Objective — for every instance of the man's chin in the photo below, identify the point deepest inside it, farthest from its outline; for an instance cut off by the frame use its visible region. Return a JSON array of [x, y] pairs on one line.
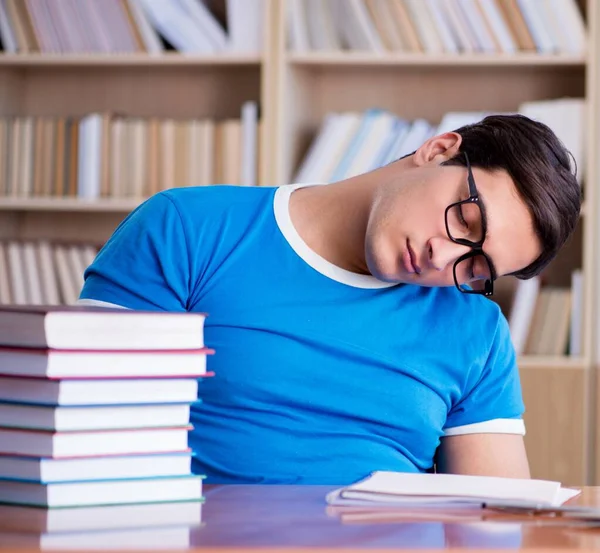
[[380, 273]]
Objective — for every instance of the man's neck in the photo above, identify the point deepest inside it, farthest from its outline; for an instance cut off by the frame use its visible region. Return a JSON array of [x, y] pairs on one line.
[[332, 219]]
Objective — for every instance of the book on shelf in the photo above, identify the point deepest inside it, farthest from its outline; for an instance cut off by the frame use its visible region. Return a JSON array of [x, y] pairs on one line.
[[350, 143], [130, 27], [107, 155], [437, 26], [42, 273]]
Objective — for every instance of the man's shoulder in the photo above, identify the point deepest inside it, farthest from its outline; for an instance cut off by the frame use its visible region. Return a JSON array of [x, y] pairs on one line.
[[192, 198], [472, 309]]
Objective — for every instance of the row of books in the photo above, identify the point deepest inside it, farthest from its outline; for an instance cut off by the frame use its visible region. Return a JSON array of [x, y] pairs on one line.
[[546, 319], [352, 143], [103, 155], [94, 415], [437, 26], [130, 26], [41, 273]]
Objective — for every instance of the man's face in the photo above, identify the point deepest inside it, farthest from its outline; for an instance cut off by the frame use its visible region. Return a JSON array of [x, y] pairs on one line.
[[406, 238]]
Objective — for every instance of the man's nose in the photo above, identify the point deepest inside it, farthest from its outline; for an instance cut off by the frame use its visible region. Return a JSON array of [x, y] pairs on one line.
[[444, 252]]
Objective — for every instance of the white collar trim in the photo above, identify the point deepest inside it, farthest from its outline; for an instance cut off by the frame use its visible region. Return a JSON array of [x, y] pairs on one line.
[[284, 222]]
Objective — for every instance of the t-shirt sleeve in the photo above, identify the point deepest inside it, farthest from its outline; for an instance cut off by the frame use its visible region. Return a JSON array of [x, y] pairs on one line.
[[145, 263], [495, 403]]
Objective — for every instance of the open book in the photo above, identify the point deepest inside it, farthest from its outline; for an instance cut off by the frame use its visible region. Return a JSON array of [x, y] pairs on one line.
[[409, 489]]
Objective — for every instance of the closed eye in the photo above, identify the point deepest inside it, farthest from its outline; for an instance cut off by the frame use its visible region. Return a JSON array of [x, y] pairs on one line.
[[461, 218]]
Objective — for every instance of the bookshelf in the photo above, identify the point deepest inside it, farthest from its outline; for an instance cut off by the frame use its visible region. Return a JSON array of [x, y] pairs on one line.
[[295, 90]]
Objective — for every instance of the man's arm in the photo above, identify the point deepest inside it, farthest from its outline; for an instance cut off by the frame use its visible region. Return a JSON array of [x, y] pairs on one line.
[[484, 455]]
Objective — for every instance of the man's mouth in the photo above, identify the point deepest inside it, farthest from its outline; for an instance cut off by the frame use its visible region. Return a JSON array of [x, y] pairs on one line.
[[413, 259]]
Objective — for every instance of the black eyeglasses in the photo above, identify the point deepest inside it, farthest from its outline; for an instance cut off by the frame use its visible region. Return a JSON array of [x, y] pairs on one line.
[[466, 224]]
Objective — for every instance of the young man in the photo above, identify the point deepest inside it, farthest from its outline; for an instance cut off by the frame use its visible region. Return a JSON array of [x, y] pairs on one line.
[[347, 336]]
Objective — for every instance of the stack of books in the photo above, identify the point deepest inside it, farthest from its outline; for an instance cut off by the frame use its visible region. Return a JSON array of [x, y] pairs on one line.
[[94, 419]]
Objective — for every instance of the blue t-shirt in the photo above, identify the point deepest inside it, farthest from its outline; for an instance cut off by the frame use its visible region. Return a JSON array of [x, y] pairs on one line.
[[321, 375]]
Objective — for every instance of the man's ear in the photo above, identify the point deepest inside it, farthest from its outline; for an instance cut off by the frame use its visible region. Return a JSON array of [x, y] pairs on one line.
[[438, 149]]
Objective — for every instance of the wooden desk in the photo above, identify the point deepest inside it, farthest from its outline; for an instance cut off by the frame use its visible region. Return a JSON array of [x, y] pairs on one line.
[[296, 518]]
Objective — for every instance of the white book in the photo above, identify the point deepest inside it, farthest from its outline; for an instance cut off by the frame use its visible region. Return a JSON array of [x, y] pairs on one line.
[[117, 159], [409, 489], [355, 26], [86, 254], [245, 25], [317, 149], [207, 151], [27, 149], [249, 168], [567, 118], [424, 25], [400, 132], [576, 329], [97, 328], [68, 419], [535, 22], [572, 26], [476, 22], [98, 391], [32, 273], [297, 26], [521, 313], [41, 443], [69, 291], [420, 131], [355, 145], [172, 22], [150, 37], [76, 266], [89, 164], [205, 22], [9, 42], [16, 271], [49, 284], [321, 28], [5, 294], [374, 141], [70, 363], [460, 29], [444, 30], [166, 538], [453, 120], [498, 25], [108, 492], [68, 521], [343, 132]]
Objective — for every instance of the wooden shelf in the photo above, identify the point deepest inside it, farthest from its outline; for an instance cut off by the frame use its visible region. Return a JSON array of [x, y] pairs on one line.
[[551, 362], [392, 59], [120, 60], [107, 205]]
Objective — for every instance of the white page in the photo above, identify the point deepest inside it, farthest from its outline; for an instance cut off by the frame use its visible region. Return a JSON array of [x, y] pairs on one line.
[[409, 488]]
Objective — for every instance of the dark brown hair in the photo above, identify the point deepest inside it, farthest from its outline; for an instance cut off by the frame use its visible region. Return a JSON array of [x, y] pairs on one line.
[[541, 168]]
